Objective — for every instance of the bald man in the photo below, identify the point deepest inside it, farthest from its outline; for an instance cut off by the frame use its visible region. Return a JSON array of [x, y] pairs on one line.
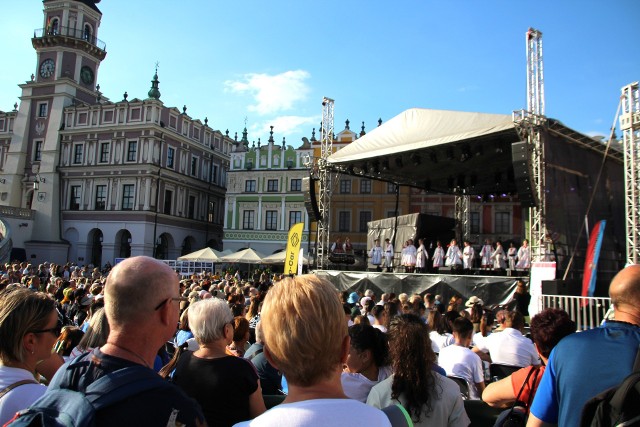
[[141, 302], [585, 364]]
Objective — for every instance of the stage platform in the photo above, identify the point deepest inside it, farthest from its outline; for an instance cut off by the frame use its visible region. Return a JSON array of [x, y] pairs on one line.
[[493, 290]]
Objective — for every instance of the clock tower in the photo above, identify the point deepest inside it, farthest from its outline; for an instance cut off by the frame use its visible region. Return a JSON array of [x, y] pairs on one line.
[[68, 54]]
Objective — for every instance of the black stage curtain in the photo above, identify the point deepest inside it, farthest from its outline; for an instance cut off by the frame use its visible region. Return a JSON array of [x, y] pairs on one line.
[[493, 290]]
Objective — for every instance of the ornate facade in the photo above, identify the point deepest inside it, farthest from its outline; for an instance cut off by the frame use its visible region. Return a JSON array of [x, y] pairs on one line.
[[105, 180]]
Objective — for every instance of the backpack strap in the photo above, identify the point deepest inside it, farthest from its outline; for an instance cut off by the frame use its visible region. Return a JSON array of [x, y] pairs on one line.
[[10, 387], [636, 363], [122, 384]]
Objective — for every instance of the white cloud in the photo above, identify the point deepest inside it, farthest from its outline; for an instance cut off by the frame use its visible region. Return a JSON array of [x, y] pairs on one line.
[[272, 94]]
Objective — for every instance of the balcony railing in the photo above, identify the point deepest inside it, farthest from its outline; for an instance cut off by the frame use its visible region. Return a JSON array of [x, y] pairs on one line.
[[587, 312], [75, 33]]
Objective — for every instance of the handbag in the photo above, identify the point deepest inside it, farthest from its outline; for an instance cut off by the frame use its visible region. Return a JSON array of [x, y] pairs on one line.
[[517, 415]]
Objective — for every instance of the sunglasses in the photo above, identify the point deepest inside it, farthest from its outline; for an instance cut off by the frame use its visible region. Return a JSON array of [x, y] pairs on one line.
[[180, 299], [55, 330]]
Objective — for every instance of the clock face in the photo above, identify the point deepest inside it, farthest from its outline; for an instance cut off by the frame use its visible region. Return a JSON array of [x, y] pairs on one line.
[[47, 67], [86, 75]]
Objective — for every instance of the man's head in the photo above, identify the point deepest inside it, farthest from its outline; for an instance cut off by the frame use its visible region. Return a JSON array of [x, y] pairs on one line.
[[138, 287], [294, 343], [462, 330], [625, 294], [515, 320]]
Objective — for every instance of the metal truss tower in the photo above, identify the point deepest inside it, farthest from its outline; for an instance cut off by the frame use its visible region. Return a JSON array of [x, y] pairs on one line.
[[529, 123], [462, 216], [326, 184], [630, 127]]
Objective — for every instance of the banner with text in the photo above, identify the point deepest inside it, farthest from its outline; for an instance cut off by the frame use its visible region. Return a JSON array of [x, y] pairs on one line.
[[293, 248]]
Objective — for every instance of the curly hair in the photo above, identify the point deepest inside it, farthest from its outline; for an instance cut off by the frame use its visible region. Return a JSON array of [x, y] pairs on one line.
[[548, 327], [366, 337], [412, 360]]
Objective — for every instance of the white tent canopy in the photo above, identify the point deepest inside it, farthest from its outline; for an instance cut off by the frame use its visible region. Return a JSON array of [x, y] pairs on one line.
[[436, 150], [202, 255], [419, 128], [245, 256]]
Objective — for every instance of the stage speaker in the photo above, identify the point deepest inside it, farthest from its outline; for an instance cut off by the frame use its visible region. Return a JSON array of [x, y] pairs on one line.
[[310, 200], [561, 287], [523, 174]]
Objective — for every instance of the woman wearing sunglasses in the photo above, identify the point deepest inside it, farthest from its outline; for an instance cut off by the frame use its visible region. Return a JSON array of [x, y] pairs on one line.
[[29, 328]]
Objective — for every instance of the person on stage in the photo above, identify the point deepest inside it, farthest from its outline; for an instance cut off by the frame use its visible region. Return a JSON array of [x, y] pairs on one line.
[[388, 255], [453, 257], [409, 255], [512, 253], [376, 254], [468, 255], [498, 257], [524, 256], [485, 254], [421, 257], [438, 256]]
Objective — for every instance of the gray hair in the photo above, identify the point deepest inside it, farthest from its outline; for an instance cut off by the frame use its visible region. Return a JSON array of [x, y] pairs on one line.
[[207, 319], [259, 334], [369, 293]]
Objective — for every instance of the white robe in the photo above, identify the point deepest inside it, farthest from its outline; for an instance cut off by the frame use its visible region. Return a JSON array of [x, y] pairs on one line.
[[453, 256], [468, 255], [421, 257], [438, 257], [524, 257]]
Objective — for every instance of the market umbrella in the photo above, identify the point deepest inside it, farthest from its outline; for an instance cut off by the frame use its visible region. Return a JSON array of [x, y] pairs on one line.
[[202, 255], [245, 256]]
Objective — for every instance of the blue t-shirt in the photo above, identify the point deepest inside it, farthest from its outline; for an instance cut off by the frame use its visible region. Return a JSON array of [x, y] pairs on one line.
[[581, 366]]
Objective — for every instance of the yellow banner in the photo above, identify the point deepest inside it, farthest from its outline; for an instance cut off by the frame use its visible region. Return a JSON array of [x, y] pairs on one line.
[[293, 248]]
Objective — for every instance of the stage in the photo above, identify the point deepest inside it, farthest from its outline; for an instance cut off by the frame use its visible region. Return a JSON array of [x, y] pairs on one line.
[[492, 290]]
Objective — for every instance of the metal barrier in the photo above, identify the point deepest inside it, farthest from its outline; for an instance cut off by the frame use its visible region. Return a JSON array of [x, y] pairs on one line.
[[587, 312]]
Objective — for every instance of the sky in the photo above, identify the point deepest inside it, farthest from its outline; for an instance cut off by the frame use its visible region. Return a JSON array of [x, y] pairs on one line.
[[271, 63]]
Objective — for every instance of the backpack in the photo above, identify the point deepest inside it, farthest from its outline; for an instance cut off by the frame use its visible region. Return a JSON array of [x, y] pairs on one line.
[[61, 407], [398, 415], [618, 405]]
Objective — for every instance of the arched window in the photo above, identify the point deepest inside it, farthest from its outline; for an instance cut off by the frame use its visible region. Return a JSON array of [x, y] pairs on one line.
[[88, 33], [54, 27]]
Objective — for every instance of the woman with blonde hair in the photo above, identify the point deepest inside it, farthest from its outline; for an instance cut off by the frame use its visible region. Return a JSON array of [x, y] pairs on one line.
[[29, 328]]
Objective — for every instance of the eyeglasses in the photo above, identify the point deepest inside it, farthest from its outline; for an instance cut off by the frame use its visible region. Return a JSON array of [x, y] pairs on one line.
[[170, 299], [55, 330]]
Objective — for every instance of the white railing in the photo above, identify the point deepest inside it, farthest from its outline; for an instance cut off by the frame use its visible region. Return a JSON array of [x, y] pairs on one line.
[[588, 313]]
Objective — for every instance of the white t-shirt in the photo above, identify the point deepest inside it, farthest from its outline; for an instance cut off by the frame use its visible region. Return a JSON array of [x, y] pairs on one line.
[[357, 386], [461, 362], [381, 327], [447, 410], [320, 413], [20, 397], [510, 347], [438, 342]]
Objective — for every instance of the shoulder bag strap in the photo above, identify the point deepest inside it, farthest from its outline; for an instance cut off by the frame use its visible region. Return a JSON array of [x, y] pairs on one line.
[[532, 390], [522, 389], [8, 388]]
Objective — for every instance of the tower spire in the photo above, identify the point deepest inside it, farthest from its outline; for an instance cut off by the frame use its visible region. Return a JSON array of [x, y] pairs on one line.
[[154, 92]]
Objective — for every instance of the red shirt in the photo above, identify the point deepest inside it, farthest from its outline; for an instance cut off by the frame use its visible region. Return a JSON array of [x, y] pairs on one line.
[[518, 378]]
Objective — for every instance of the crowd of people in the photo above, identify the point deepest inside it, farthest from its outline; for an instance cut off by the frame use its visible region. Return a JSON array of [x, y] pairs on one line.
[[296, 351]]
